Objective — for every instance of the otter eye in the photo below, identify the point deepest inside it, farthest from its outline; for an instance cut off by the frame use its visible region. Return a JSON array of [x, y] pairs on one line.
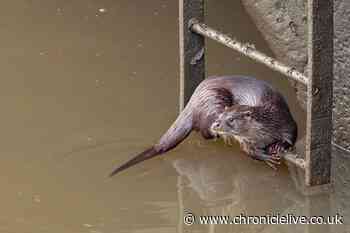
[[231, 119]]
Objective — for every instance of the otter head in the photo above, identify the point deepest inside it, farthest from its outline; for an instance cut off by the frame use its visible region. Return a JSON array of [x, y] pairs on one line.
[[236, 121]]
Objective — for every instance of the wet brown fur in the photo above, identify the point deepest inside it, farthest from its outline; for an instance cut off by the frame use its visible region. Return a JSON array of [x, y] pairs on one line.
[[209, 101]]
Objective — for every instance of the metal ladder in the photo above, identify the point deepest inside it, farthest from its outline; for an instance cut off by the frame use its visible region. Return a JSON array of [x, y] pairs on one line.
[[319, 81]]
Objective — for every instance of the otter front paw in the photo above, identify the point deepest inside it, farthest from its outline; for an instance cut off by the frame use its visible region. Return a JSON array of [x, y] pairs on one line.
[[275, 159], [271, 160]]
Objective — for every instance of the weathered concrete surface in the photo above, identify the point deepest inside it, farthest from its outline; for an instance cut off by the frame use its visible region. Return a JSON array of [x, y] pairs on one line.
[[341, 181], [341, 111], [283, 24]]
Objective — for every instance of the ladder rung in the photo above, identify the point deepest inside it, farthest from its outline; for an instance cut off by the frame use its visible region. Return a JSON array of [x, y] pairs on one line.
[[292, 158], [248, 50]]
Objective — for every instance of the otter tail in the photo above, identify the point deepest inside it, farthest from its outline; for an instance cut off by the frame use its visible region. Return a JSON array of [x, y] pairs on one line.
[[179, 130], [147, 154]]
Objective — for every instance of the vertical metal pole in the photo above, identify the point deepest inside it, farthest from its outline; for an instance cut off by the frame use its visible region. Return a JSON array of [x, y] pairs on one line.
[[192, 62], [320, 92]]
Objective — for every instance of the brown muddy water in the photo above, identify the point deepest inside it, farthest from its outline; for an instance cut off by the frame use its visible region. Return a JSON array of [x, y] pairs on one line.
[[87, 84]]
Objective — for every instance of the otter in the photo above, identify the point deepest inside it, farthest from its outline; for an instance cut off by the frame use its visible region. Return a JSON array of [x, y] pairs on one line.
[[242, 108]]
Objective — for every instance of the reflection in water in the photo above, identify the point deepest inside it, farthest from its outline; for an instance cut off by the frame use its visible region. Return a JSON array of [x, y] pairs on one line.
[[221, 184]]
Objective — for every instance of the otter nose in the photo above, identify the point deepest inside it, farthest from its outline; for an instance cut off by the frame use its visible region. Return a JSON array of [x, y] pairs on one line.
[[216, 125]]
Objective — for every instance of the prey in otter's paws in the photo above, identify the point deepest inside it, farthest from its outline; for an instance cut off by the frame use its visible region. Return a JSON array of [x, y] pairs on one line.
[[258, 129], [232, 107]]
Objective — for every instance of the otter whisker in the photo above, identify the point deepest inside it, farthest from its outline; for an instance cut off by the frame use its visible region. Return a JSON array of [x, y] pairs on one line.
[[228, 139]]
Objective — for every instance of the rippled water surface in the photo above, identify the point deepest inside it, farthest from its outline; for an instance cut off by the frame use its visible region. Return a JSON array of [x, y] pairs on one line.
[[86, 84]]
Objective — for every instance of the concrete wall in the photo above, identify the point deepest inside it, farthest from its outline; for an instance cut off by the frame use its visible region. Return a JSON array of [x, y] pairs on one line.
[[283, 23]]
